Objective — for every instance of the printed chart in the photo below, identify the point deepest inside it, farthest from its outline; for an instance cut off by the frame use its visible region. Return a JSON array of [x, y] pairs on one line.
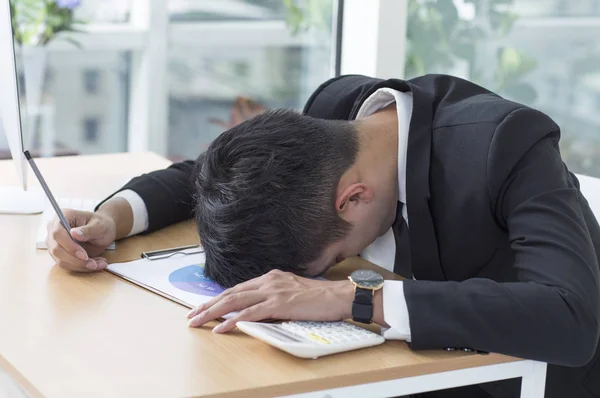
[[191, 279]]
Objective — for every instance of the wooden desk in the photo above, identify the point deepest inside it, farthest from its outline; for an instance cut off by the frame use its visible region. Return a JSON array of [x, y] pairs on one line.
[[95, 335]]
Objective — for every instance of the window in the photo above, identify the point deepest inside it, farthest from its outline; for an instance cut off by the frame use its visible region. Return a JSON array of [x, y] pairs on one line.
[[91, 127], [227, 10], [166, 75], [540, 53], [107, 97], [21, 83], [91, 79], [105, 11], [553, 87], [227, 56]]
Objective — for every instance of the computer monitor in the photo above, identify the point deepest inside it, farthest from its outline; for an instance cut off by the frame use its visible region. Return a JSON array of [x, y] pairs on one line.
[[13, 199]]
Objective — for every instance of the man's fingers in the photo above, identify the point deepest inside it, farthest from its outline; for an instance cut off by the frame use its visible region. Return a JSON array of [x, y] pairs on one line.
[[255, 313], [77, 218], [82, 229], [199, 309], [58, 234], [101, 263], [252, 284], [230, 303], [63, 258], [91, 231], [67, 261], [208, 304]]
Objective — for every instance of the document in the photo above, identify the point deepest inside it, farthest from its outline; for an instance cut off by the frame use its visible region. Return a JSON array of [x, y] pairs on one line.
[[179, 278]]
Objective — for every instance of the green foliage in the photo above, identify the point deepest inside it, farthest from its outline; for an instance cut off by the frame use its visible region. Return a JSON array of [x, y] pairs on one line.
[[37, 22], [433, 35], [438, 38], [512, 66], [302, 16]]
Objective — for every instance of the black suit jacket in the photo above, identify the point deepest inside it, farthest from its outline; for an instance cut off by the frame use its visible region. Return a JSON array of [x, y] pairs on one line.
[[504, 247]]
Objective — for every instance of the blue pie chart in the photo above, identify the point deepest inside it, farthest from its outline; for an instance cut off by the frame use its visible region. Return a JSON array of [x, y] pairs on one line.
[[191, 279]]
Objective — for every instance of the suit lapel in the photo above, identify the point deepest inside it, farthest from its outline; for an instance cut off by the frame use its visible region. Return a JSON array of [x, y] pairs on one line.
[[425, 257]]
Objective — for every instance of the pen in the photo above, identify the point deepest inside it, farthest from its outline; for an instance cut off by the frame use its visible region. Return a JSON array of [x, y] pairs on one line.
[[40, 178], [165, 253]]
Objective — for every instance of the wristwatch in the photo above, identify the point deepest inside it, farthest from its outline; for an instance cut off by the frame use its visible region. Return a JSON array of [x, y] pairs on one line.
[[365, 283]]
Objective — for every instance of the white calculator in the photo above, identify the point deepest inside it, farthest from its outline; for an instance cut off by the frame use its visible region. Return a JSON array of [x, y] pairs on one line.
[[312, 339]]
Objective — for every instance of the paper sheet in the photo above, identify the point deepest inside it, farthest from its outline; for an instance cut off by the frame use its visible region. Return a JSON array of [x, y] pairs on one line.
[[179, 278]]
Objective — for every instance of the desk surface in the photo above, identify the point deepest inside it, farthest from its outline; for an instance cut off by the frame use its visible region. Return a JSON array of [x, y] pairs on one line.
[[74, 335]]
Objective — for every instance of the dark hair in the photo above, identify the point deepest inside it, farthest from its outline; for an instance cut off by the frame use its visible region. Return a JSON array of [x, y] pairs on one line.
[[265, 194]]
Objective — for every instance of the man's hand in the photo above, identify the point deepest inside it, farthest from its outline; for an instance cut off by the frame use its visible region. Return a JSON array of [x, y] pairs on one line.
[[93, 232], [278, 295]]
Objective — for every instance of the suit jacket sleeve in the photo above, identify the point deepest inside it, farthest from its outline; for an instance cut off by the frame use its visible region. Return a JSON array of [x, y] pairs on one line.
[[167, 193], [552, 312]]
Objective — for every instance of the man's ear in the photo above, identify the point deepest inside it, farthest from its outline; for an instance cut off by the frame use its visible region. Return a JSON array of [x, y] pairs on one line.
[[351, 196]]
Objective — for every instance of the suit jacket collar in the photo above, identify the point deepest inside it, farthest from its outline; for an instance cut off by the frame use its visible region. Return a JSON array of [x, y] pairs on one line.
[[335, 99]]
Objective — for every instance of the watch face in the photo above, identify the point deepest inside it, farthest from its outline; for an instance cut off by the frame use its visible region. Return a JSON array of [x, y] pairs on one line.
[[367, 279]]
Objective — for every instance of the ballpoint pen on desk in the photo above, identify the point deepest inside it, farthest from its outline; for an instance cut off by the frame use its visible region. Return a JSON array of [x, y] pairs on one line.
[[165, 253], [40, 178]]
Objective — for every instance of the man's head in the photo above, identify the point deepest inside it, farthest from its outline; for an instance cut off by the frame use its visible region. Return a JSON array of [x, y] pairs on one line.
[[282, 190]]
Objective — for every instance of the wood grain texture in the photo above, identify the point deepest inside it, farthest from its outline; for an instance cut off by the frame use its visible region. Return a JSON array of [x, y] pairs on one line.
[[95, 335]]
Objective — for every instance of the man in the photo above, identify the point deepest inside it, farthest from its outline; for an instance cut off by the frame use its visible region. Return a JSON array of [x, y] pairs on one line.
[[462, 192]]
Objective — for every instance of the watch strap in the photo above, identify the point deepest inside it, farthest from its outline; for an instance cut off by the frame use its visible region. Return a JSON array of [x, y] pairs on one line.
[[362, 307]]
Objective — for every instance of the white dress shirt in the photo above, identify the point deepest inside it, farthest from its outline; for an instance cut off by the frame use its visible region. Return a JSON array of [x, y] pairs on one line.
[[383, 250], [140, 212]]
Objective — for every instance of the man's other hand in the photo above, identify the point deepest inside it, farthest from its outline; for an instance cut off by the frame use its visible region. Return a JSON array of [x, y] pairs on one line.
[[278, 295]]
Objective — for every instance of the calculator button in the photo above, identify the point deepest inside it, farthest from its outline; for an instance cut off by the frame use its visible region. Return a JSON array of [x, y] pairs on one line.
[[329, 332], [318, 338]]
